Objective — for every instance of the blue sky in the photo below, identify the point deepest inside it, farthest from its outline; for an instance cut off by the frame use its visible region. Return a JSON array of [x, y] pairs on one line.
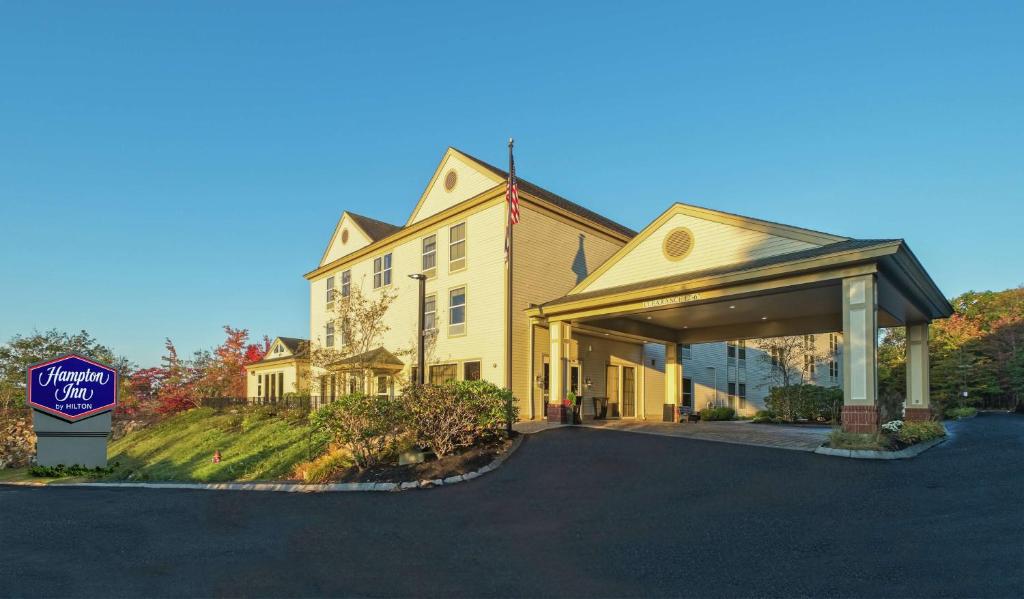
[[168, 168]]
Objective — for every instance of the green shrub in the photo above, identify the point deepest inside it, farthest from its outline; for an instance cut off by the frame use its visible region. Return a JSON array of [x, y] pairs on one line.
[[805, 402], [367, 426], [840, 439], [961, 412], [490, 402], [61, 471], [454, 415], [919, 432], [722, 413]]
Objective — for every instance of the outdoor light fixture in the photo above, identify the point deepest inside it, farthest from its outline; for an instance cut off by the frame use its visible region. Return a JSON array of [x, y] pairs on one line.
[[732, 307], [764, 318]]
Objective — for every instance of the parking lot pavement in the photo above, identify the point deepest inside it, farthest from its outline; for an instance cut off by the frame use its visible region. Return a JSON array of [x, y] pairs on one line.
[[574, 512]]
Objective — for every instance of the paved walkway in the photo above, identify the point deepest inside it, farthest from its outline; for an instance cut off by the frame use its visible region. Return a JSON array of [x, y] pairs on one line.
[[742, 432]]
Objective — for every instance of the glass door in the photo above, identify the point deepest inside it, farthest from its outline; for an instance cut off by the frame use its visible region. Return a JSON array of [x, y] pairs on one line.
[[628, 392]]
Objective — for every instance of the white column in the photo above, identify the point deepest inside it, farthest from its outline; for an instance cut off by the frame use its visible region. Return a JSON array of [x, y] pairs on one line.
[[673, 382], [561, 336], [918, 384], [860, 354]]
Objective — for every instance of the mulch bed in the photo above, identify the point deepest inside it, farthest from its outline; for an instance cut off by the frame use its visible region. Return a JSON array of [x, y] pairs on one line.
[[467, 460]]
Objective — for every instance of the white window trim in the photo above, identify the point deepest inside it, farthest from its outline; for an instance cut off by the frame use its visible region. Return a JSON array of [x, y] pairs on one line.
[[465, 311], [383, 270], [432, 270]]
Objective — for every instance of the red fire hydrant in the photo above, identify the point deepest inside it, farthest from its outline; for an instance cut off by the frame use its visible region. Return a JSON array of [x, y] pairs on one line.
[[216, 456]]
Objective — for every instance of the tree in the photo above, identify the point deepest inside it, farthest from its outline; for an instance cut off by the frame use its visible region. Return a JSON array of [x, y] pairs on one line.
[[176, 391], [786, 358], [22, 351], [222, 374], [359, 327]]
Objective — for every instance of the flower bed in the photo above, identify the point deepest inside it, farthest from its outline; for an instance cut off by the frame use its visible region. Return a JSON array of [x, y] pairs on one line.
[[457, 427], [894, 435]]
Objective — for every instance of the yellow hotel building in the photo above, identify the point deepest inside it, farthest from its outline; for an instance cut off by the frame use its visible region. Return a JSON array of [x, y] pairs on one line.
[[607, 312]]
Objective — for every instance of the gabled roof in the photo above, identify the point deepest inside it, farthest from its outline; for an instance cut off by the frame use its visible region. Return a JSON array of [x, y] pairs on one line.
[[839, 247], [553, 198], [376, 358], [374, 229], [299, 349], [806, 236], [294, 344]]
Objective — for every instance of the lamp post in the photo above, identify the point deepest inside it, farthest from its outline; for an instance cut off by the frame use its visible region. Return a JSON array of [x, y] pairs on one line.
[[420, 366]]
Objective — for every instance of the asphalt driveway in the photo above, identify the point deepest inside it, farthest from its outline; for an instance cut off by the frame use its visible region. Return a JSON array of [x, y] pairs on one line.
[[574, 512]]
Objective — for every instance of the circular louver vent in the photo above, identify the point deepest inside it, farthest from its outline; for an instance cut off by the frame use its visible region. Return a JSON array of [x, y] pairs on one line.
[[678, 244], [450, 180]]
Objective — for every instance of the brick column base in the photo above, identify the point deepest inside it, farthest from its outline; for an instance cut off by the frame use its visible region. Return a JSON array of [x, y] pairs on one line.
[[860, 419], [557, 413], [917, 414]]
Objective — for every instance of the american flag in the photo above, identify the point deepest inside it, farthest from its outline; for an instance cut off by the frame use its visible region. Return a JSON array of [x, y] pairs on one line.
[[512, 192], [512, 199]]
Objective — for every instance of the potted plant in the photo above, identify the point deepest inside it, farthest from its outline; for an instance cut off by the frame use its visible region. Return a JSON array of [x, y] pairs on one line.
[[572, 405]]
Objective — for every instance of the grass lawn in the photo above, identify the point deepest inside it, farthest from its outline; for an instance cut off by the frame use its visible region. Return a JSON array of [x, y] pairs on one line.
[[253, 446]]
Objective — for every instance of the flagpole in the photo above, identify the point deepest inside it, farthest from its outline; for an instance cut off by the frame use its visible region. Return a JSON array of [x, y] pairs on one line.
[[508, 291]]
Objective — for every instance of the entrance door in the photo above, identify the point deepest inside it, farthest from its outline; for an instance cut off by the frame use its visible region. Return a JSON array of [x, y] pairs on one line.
[[612, 389], [628, 392]]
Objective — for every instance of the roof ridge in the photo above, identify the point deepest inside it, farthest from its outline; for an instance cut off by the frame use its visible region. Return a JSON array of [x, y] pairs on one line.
[[553, 197]]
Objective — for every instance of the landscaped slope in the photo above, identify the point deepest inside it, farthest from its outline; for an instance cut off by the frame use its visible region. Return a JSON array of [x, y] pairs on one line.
[[253, 446]]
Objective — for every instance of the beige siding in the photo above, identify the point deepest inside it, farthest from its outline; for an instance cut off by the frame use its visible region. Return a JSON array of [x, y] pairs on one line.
[[295, 380], [551, 257], [714, 244], [483, 278], [471, 182], [337, 248]]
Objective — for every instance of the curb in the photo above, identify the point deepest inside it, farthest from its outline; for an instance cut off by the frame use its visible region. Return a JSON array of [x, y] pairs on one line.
[[696, 438], [297, 487], [863, 454]]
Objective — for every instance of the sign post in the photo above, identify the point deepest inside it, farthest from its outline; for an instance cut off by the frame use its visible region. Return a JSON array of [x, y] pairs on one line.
[[72, 398]]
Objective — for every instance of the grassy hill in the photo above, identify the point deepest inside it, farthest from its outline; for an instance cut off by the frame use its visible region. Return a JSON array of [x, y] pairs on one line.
[[253, 446]]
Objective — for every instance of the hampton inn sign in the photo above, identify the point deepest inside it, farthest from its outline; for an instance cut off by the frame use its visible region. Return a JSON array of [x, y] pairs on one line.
[[72, 398]]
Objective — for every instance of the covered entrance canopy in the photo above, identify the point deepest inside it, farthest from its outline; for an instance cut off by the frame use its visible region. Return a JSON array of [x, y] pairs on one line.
[[696, 275]]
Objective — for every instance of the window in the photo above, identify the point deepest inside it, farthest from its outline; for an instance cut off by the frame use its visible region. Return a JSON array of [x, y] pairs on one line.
[[471, 371], [330, 289], [742, 388], [809, 342], [457, 311], [809, 365], [382, 271], [412, 375], [270, 386], [833, 351], [280, 384], [346, 283], [442, 373], [329, 335], [430, 313], [430, 255], [685, 351], [742, 350], [457, 247], [344, 332], [383, 386], [687, 391], [259, 385]]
